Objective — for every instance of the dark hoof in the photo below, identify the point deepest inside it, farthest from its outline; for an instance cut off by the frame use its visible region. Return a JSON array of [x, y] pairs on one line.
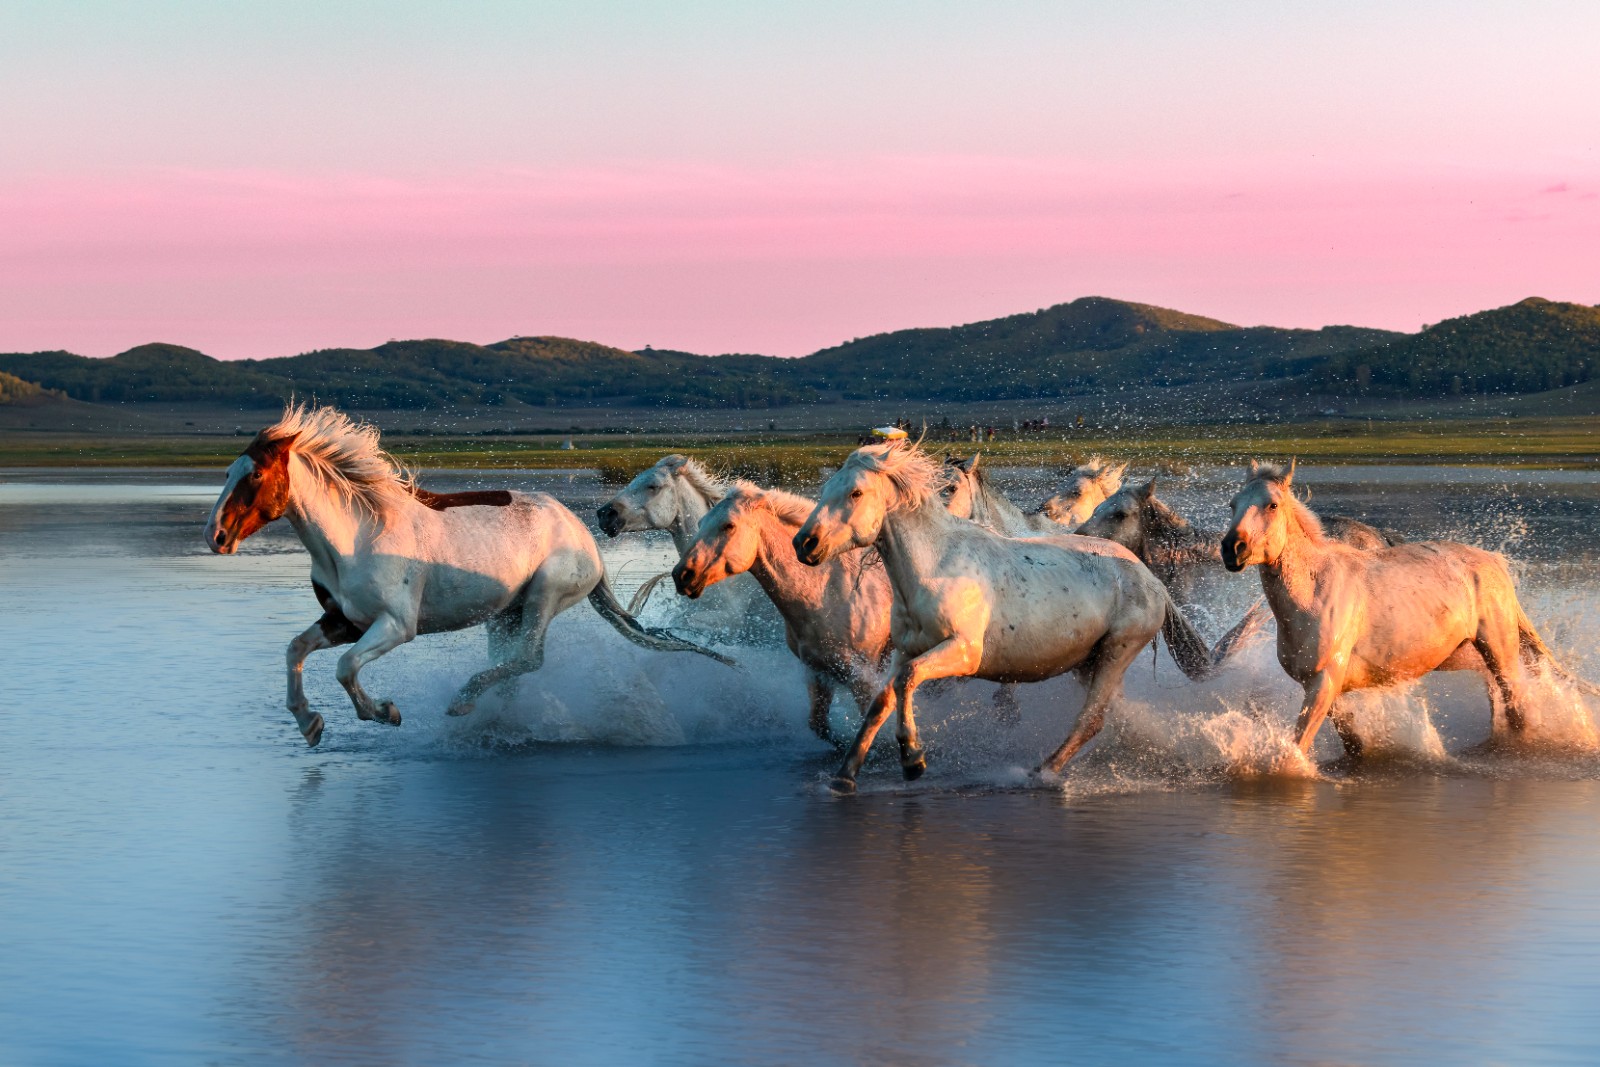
[[313, 733], [842, 787], [915, 769], [388, 713]]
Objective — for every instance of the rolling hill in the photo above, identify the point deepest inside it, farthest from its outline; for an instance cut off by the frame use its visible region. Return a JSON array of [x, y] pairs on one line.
[[1084, 347]]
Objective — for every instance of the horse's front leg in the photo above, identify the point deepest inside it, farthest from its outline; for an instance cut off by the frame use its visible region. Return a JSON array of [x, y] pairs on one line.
[[820, 689], [1322, 689], [955, 657], [872, 718], [329, 631], [384, 635]]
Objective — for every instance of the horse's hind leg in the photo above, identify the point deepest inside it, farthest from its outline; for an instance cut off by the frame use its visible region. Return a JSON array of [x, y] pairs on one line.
[[1111, 661], [526, 647], [1006, 711], [384, 635], [1500, 646], [331, 630]]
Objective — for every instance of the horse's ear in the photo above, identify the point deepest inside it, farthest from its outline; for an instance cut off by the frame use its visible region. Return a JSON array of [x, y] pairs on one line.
[[673, 462], [1288, 479], [1255, 467], [1113, 476], [969, 464], [1146, 491], [269, 451]]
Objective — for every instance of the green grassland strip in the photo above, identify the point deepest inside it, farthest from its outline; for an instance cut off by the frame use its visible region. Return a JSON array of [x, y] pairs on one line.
[[1573, 443]]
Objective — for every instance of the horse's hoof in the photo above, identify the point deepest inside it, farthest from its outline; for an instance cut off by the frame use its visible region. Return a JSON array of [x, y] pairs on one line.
[[915, 769], [313, 733], [388, 713], [842, 787]]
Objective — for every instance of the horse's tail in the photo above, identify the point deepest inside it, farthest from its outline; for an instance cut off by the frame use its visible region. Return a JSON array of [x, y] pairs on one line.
[[1534, 650], [1197, 660], [642, 597], [611, 610]]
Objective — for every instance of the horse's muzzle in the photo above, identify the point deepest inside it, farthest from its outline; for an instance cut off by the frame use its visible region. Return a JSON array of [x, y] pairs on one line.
[[808, 548], [221, 542], [688, 581], [610, 521], [1234, 552]]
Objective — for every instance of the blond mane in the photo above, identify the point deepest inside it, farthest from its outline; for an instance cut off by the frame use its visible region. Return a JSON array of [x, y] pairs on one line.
[[1098, 469], [1281, 476], [704, 481], [790, 508], [915, 476], [343, 456]]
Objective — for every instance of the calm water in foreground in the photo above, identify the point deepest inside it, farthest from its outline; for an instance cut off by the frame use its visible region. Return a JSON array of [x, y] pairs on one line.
[[635, 860]]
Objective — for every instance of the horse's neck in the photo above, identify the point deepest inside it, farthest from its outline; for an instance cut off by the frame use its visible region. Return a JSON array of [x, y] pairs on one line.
[[328, 526], [692, 507], [1291, 581], [1005, 515], [910, 542], [799, 592], [1172, 541]]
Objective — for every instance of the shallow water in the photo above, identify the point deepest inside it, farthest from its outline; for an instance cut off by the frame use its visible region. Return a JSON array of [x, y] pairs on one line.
[[636, 861]]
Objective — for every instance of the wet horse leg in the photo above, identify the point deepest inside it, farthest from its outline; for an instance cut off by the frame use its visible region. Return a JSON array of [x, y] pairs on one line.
[[1110, 663], [1006, 711], [330, 631], [820, 689], [384, 635], [539, 606], [1500, 647], [1322, 689], [953, 658], [871, 720]]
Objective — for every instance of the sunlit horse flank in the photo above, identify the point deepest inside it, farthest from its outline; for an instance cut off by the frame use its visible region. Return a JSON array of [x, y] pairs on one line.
[[836, 615], [971, 603], [1349, 619], [390, 561]]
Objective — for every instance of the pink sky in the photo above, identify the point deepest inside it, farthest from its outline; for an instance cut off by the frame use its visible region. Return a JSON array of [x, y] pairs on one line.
[[720, 181]]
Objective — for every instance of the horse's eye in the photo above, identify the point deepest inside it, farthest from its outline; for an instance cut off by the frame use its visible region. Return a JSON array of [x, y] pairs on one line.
[[1119, 516], [1272, 506], [727, 527], [855, 494]]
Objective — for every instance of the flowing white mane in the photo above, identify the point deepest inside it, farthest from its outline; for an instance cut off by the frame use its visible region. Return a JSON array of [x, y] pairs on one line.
[[914, 475], [1281, 476], [343, 456], [791, 508], [711, 487], [1098, 469]]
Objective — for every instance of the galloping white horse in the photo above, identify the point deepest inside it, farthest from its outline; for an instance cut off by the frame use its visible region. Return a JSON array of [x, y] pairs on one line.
[[1349, 619], [1087, 485], [836, 615], [971, 603], [390, 561], [674, 494]]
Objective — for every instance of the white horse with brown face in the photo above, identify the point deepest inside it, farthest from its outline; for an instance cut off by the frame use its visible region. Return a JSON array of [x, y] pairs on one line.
[[1349, 619], [836, 615], [968, 602], [390, 560]]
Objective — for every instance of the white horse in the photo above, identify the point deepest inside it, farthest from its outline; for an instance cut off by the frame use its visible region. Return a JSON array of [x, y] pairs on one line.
[[674, 494], [1087, 485], [971, 603], [836, 615], [1349, 619], [390, 561]]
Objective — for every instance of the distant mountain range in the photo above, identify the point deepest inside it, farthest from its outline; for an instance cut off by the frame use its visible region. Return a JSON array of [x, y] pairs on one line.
[[1083, 347]]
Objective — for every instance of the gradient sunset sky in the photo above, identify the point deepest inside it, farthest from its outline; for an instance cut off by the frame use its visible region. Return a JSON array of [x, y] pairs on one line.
[[257, 179]]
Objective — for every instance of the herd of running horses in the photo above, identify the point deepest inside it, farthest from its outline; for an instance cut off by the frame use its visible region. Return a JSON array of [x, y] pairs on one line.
[[905, 568]]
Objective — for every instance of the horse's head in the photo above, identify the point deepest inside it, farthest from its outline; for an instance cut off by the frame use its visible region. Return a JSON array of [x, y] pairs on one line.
[[1261, 514], [256, 493], [726, 544], [1086, 487], [874, 481], [649, 502], [1121, 516], [962, 494]]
